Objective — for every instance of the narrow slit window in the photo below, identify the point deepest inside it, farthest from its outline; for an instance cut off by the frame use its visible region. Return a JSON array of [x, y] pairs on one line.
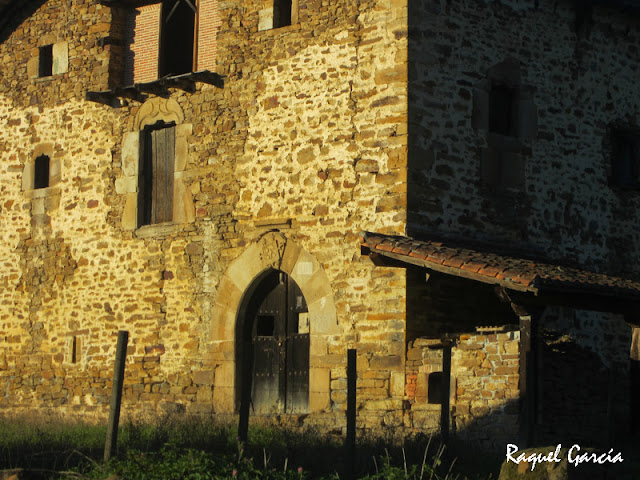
[[282, 13], [41, 172], [45, 61], [74, 346]]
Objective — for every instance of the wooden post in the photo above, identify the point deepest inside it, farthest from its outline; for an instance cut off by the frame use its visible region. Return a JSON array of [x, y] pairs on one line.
[[635, 380], [528, 379], [446, 388], [116, 395], [350, 444]]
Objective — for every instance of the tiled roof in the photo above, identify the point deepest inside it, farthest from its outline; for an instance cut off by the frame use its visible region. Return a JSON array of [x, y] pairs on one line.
[[511, 272]]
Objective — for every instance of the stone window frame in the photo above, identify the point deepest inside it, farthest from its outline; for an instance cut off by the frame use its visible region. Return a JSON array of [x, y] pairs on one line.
[[45, 199], [74, 353], [266, 18], [152, 111], [60, 58], [502, 162]]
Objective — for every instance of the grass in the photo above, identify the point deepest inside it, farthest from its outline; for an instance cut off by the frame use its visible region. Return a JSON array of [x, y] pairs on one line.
[[200, 449]]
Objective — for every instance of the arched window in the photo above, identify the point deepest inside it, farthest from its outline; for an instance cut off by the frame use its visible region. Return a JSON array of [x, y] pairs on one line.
[[272, 347]]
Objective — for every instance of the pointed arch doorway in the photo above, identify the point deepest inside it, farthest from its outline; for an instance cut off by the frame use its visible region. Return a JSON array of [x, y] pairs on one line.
[[272, 347]]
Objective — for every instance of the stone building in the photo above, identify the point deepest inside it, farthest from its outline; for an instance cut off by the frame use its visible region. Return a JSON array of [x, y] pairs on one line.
[[252, 188]]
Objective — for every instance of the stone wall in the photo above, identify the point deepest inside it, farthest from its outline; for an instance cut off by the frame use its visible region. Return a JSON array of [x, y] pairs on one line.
[[304, 146], [580, 87], [584, 373], [307, 140], [484, 391]]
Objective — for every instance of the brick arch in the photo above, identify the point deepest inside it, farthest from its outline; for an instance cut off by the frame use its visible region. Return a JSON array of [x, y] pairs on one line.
[[272, 251]]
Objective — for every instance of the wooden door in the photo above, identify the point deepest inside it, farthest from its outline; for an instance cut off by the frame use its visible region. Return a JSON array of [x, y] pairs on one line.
[[280, 343]]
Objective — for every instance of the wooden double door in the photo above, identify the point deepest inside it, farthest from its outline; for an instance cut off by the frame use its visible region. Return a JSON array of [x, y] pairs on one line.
[[279, 341]]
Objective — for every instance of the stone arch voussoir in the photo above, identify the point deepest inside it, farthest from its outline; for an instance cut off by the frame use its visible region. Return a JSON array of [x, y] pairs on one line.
[[273, 251]]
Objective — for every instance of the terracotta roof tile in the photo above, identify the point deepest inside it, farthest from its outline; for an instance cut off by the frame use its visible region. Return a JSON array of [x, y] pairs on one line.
[[490, 267], [473, 265]]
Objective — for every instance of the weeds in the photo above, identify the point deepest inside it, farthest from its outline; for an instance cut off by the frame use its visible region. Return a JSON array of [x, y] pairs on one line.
[[197, 449]]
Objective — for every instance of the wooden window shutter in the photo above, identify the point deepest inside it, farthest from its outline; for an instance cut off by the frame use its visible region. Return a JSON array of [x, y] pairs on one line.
[[155, 182], [163, 148]]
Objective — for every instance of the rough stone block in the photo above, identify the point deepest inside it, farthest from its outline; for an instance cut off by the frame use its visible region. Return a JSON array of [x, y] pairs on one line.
[[203, 377]]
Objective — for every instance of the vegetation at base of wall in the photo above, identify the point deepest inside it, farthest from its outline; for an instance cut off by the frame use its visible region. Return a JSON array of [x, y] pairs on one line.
[[199, 449]]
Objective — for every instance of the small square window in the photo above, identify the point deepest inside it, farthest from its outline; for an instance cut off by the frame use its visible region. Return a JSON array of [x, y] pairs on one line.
[[41, 172], [45, 61], [625, 159], [265, 326]]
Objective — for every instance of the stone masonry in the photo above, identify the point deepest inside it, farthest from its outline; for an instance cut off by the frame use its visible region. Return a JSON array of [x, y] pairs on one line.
[[307, 138], [360, 115]]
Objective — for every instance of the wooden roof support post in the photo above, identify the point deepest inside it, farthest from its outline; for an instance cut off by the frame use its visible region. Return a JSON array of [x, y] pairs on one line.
[[528, 379], [634, 371], [528, 316]]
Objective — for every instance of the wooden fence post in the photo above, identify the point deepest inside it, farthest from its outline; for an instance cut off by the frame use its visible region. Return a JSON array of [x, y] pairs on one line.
[[350, 444], [116, 395]]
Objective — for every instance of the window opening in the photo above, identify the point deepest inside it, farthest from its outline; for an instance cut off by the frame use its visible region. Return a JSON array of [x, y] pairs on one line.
[[281, 13], [41, 172], [178, 32], [502, 110], [265, 325], [74, 346], [155, 183], [626, 159], [45, 59], [434, 388]]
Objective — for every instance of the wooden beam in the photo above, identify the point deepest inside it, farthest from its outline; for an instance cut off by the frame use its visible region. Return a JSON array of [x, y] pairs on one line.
[[105, 98], [128, 3], [584, 300]]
